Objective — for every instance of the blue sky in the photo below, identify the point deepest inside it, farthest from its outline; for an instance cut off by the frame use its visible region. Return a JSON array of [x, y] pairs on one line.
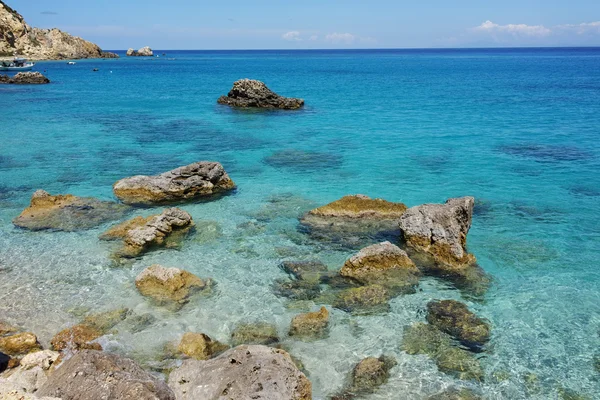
[[261, 24]]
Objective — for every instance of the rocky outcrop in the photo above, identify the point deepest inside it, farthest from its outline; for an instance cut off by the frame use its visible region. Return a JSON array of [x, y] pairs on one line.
[[454, 318], [92, 375], [168, 284], [245, 372], [383, 264], [143, 52], [200, 346], [67, 212], [247, 93], [312, 325], [20, 343], [194, 181], [255, 333], [354, 221], [440, 230], [25, 78], [41, 44], [108, 54], [29, 376], [140, 235]]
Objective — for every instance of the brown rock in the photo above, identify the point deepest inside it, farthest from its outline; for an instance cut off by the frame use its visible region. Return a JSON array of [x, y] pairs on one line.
[[168, 284], [255, 94], [454, 318], [370, 299], [368, 375], [312, 325], [78, 337], [255, 333], [20, 343], [200, 346]]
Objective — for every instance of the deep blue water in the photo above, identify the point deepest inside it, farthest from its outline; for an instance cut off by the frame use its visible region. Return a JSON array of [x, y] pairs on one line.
[[519, 129]]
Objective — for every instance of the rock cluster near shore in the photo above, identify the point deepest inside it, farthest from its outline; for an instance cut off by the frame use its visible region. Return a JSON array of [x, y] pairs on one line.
[[143, 52], [248, 93], [24, 78]]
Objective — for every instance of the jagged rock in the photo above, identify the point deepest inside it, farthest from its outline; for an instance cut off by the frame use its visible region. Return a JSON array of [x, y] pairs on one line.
[[354, 220], [370, 299], [77, 337], [194, 181], [25, 380], [42, 359], [41, 44], [92, 375], [20, 343], [259, 333], [440, 230], [200, 346], [454, 318], [245, 372], [168, 284], [140, 234], [384, 264], [251, 93], [25, 78], [312, 325], [367, 376], [143, 52], [67, 212]]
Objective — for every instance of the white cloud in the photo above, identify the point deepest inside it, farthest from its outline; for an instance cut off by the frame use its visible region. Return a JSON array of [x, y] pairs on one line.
[[292, 36], [513, 29], [314, 37], [583, 28], [340, 38]]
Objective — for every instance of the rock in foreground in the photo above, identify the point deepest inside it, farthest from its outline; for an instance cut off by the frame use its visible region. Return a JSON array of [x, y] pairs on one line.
[[20, 343], [312, 325], [199, 346], [168, 284], [197, 180], [367, 376], [245, 372], [143, 52], [255, 94], [93, 375], [25, 78], [67, 212]]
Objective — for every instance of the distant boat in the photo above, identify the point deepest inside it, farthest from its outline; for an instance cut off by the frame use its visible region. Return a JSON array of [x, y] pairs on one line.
[[17, 64]]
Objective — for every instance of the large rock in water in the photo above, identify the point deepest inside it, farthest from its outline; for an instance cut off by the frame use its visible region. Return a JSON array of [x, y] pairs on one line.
[[140, 234], [255, 94], [168, 284], [20, 343], [354, 221], [197, 180], [93, 375], [245, 372], [384, 264], [25, 78], [67, 212], [143, 52], [454, 318]]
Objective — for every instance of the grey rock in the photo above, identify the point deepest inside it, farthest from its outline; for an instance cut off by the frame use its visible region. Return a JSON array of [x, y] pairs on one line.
[[242, 373], [94, 375], [143, 52], [25, 78], [255, 94]]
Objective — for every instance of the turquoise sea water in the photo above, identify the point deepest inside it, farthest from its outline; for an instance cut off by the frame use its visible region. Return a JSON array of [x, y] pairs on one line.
[[517, 129]]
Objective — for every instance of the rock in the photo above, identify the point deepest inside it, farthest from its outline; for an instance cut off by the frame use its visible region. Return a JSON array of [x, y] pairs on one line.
[[440, 230], [200, 346], [105, 321], [42, 359], [460, 363], [454, 318], [251, 93], [245, 372], [384, 264], [368, 375], [141, 235], [67, 212], [312, 325], [138, 323], [354, 220], [77, 337], [92, 375], [108, 54], [305, 270], [370, 299], [207, 232], [191, 182], [259, 333], [25, 380], [297, 290], [25, 78], [143, 52], [20, 343], [6, 329], [168, 284], [21, 395]]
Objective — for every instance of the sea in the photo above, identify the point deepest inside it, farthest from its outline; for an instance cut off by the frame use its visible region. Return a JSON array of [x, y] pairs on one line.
[[518, 129]]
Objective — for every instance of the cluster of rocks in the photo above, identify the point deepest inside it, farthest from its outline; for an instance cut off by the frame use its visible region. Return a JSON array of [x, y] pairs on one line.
[[143, 52], [25, 78], [248, 93]]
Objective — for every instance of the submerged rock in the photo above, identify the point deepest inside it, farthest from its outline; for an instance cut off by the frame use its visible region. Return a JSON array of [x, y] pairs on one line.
[[92, 375], [455, 319], [245, 372], [372, 299], [191, 182], [297, 290], [20, 343], [255, 333], [143, 52], [200, 346], [312, 325], [77, 337], [354, 220], [371, 373], [140, 234], [6, 328], [384, 264], [25, 78], [168, 284], [104, 321], [305, 270], [67, 212], [255, 94]]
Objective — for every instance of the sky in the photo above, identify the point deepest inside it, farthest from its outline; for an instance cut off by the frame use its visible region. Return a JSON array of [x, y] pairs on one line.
[[319, 24]]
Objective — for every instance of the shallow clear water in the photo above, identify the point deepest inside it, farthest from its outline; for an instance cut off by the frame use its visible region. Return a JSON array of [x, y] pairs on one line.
[[517, 129]]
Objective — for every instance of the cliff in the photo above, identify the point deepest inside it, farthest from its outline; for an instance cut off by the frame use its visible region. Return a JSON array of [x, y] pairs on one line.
[[41, 44]]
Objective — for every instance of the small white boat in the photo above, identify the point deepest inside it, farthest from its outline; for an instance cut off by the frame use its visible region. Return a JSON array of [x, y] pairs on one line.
[[17, 64], [71, 63]]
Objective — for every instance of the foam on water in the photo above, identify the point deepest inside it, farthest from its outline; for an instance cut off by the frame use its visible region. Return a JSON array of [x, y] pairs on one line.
[[517, 129]]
